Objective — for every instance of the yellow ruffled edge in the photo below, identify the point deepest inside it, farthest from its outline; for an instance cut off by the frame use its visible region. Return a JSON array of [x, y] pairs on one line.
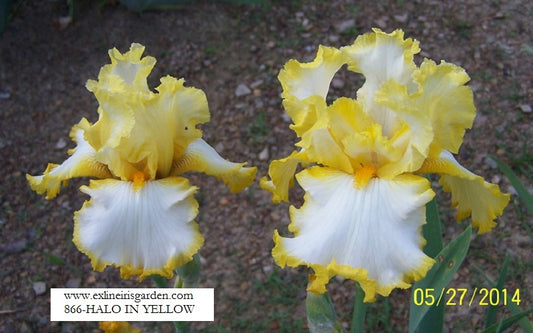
[[306, 85], [450, 105], [126, 271], [201, 157], [281, 173], [454, 176], [133, 59], [322, 274], [82, 162], [293, 71]]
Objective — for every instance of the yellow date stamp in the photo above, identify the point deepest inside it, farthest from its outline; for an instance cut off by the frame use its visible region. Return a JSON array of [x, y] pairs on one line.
[[465, 296]]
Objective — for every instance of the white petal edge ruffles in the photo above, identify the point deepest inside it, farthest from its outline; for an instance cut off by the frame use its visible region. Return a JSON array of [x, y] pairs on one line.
[[147, 229], [372, 235]]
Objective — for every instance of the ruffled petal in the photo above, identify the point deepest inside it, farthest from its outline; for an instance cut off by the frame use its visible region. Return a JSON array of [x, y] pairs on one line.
[[381, 57], [320, 146], [143, 229], [201, 157], [449, 104], [471, 194], [81, 163], [305, 86], [139, 130], [372, 235], [281, 173], [303, 80], [120, 88], [129, 68]]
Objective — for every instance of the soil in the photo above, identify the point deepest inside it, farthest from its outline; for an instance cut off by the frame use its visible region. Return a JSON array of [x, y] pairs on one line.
[[234, 52]]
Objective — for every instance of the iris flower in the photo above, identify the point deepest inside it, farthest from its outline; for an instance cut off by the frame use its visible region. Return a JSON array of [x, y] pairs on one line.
[[141, 213], [117, 327], [364, 203]]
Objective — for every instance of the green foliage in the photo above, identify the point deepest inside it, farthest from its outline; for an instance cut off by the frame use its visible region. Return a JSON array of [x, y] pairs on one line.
[[57, 261], [321, 316], [492, 310], [379, 314], [462, 28], [433, 321], [447, 262], [258, 130], [139, 6], [5, 10], [506, 323], [521, 190], [279, 292]]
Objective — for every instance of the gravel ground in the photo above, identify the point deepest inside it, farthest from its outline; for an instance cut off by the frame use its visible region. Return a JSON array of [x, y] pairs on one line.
[[234, 53]]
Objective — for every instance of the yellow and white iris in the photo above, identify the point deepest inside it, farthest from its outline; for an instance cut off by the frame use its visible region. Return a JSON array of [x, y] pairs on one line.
[[365, 200], [141, 213]]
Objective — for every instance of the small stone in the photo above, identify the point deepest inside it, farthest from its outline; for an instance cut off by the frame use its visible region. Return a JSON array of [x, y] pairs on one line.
[[242, 90], [525, 108], [401, 18], [25, 328], [256, 84], [268, 269], [91, 279], [345, 25], [39, 288], [263, 155], [511, 190], [219, 147], [64, 21], [490, 162], [382, 22], [274, 325], [73, 283], [15, 247], [337, 83], [334, 38], [61, 143]]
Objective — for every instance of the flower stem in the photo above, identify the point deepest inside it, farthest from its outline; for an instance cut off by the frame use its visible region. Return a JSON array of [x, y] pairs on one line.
[[359, 310], [188, 274]]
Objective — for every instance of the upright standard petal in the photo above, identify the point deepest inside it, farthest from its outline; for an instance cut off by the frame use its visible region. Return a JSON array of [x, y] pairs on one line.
[[381, 57], [139, 130], [144, 228], [201, 157], [372, 234], [305, 86], [81, 163], [471, 194]]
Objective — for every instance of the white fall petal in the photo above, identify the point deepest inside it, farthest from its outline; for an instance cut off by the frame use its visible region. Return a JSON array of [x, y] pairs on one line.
[[145, 229], [341, 229]]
